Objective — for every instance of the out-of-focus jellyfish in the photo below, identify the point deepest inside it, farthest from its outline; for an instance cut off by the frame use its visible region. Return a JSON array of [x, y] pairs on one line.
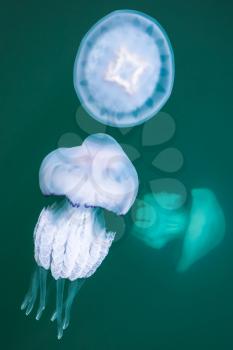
[[124, 69], [159, 218], [162, 217], [205, 230], [70, 238]]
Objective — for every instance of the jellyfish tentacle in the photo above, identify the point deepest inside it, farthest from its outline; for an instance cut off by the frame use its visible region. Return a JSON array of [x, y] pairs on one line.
[[59, 306], [43, 280], [54, 316], [73, 290], [31, 295]]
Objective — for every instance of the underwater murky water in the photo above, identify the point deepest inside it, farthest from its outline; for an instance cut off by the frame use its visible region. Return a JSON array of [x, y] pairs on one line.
[[136, 299]]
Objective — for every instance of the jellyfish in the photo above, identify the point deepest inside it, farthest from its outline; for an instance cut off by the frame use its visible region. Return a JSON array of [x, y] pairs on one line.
[[159, 218], [70, 237], [205, 230], [124, 69], [162, 217]]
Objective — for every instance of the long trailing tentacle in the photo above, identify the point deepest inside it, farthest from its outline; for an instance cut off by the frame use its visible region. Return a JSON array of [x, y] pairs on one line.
[[30, 297], [59, 306], [73, 290], [37, 287], [43, 279]]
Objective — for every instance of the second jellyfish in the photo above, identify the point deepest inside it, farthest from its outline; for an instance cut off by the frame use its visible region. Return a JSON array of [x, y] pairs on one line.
[[70, 238], [163, 217]]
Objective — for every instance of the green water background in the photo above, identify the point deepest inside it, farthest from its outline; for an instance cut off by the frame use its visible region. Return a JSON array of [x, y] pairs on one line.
[[136, 300]]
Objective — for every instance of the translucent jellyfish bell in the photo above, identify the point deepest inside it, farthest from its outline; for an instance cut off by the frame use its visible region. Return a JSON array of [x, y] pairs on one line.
[[70, 238], [159, 219], [124, 69], [205, 230]]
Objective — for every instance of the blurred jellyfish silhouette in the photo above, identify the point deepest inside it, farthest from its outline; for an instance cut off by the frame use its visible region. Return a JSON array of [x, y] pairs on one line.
[[70, 238], [124, 69], [162, 217]]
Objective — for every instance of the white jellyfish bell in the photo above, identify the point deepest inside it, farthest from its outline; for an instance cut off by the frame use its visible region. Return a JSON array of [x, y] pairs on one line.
[[124, 69], [70, 239]]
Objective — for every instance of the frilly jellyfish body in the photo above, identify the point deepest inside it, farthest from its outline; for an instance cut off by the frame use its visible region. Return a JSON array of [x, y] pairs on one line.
[[70, 238], [162, 217], [124, 69]]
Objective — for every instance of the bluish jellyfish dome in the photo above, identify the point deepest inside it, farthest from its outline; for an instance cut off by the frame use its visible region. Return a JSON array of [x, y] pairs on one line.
[[124, 69]]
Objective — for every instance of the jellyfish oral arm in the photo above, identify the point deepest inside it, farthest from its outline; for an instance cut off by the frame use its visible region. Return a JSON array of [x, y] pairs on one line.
[[71, 242]]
